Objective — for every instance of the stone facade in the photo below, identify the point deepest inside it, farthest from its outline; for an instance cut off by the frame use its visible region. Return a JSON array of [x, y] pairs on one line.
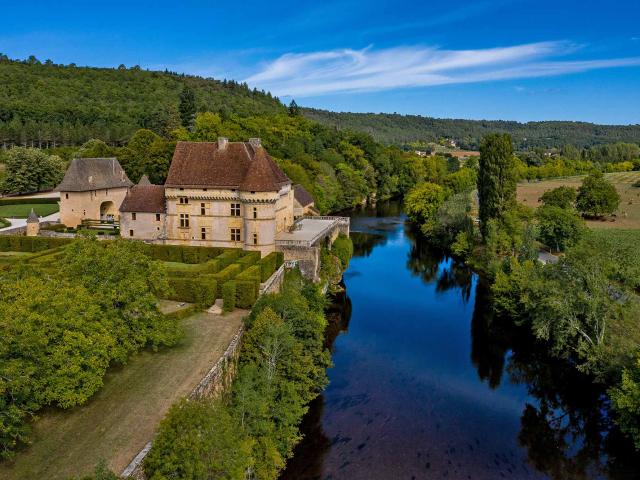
[[91, 205], [143, 225]]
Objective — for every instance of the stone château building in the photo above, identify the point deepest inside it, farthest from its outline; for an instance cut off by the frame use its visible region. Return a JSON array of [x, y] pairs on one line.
[[92, 189], [223, 194]]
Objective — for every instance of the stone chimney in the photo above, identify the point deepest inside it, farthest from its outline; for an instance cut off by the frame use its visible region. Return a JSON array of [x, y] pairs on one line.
[[254, 142], [222, 143]]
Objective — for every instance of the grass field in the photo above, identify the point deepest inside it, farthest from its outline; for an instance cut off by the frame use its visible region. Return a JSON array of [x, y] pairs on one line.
[[628, 214], [22, 211], [122, 417]]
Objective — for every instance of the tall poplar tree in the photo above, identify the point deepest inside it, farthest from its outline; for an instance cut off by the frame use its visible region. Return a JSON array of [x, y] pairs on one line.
[[496, 178]]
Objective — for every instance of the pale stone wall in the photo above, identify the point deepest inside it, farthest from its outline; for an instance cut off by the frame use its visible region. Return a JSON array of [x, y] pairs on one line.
[[33, 229], [78, 206], [262, 215], [146, 226]]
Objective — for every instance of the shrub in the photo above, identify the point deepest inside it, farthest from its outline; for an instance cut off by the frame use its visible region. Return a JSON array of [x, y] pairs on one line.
[[28, 201], [201, 291], [228, 257], [246, 293], [182, 253], [226, 274], [17, 243], [4, 223], [229, 296], [249, 259]]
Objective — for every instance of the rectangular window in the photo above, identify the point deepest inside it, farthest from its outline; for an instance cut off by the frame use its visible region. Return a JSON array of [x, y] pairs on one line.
[[255, 212], [157, 217], [131, 233], [235, 234], [184, 200], [133, 216], [235, 209], [255, 238], [184, 220], [66, 196], [203, 210], [203, 233]]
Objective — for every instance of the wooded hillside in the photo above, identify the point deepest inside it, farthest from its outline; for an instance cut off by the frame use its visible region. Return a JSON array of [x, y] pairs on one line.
[[406, 129], [44, 104]]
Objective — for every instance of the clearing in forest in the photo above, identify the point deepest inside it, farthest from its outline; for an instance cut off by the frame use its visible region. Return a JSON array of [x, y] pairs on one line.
[[628, 213]]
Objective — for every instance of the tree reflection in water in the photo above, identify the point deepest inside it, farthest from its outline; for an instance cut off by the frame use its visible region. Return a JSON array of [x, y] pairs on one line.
[[566, 429]]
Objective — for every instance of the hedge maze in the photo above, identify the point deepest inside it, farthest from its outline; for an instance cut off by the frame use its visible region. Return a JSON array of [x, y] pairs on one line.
[[197, 275]]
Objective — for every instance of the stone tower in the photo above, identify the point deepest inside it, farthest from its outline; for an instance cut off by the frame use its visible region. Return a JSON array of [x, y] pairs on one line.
[[33, 224]]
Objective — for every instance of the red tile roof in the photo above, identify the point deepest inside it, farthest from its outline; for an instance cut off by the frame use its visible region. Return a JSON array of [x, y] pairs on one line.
[[144, 198], [237, 165]]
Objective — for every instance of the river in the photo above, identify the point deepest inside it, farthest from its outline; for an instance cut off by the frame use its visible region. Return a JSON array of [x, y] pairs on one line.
[[426, 383]]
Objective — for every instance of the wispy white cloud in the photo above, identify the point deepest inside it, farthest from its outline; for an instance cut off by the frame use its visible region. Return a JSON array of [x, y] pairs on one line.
[[348, 70]]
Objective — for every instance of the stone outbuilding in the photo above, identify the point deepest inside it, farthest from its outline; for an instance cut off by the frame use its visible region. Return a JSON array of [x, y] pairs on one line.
[[33, 224], [92, 189], [143, 212]]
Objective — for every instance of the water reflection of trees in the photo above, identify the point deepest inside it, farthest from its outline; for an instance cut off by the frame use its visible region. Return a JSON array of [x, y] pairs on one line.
[[566, 428], [432, 265], [364, 243]]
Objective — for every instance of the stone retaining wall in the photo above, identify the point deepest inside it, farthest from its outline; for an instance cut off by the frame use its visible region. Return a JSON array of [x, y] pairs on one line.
[[217, 380]]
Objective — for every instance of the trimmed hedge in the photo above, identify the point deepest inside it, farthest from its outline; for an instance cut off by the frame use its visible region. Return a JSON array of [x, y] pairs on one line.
[[206, 268], [229, 296], [248, 286], [28, 201], [182, 313], [226, 274], [18, 243], [183, 253], [201, 291], [4, 223], [251, 258], [270, 264], [229, 256]]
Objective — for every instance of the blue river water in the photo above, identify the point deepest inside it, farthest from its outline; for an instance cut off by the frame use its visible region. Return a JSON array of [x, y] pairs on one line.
[[427, 383]]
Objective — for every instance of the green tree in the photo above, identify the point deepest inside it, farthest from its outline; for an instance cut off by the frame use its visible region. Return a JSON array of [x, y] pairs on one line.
[[597, 197], [626, 402], [187, 106], [199, 440], [93, 148], [422, 203], [294, 110], [563, 197], [31, 170], [559, 228], [496, 178]]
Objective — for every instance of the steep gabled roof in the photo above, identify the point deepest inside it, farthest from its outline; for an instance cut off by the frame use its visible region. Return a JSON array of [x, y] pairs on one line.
[[239, 165], [302, 196], [86, 174]]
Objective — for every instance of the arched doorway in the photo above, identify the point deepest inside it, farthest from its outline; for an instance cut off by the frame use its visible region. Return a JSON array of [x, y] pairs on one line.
[[107, 212]]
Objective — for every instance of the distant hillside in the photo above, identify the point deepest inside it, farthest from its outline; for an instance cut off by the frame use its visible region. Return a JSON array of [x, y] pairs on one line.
[[405, 129], [42, 104]]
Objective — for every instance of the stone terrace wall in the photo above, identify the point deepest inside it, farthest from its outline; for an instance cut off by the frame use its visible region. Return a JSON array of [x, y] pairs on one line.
[[217, 380]]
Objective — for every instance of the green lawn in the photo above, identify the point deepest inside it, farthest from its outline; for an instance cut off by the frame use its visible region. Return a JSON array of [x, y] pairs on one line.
[[22, 211], [122, 417]]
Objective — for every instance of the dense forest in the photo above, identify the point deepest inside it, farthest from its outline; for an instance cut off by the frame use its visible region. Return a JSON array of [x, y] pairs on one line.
[[45, 104], [406, 129]]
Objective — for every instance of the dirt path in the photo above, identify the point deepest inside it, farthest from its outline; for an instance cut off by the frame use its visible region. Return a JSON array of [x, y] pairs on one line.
[[117, 423]]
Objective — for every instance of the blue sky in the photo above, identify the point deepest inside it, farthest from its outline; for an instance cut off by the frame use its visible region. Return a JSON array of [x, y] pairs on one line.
[[502, 59]]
